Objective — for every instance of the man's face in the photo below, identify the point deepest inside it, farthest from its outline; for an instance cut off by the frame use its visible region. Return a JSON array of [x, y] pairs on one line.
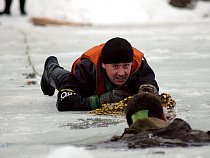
[[118, 73]]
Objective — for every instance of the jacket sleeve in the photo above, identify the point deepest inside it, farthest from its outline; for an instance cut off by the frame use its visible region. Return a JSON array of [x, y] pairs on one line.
[[77, 91], [143, 76]]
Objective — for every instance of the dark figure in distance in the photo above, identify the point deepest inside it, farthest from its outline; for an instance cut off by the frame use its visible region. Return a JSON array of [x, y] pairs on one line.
[[8, 5]]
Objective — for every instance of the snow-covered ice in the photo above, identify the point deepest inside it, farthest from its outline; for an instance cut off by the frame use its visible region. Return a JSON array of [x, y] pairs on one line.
[[174, 41]]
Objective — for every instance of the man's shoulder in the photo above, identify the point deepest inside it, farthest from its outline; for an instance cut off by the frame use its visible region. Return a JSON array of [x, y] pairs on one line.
[[144, 124]]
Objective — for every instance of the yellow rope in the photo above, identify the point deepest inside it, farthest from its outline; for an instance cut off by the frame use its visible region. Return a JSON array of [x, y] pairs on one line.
[[112, 108], [27, 52], [168, 102], [119, 108]]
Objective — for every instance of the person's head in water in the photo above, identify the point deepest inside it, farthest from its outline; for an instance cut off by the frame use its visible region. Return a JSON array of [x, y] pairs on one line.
[[143, 105], [117, 60]]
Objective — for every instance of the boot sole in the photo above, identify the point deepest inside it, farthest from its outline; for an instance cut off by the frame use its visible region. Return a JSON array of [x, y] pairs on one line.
[[47, 89]]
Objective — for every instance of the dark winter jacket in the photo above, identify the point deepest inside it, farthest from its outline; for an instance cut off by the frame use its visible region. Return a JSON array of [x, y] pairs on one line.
[[79, 89], [153, 132]]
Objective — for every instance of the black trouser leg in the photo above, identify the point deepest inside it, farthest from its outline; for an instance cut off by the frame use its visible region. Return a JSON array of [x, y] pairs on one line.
[[22, 7], [7, 6], [57, 76]]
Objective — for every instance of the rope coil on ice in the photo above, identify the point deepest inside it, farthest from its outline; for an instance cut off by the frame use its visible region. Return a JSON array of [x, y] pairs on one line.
[[119, 107], [112, 108]]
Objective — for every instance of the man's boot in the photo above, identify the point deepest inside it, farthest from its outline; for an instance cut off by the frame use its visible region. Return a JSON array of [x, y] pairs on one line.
[[47, 84]]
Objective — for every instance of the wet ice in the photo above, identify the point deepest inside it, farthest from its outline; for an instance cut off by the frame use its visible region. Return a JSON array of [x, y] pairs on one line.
[[178, 53]]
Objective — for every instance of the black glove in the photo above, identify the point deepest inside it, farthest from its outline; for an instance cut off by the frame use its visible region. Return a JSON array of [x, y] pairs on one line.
[[148, 89], [116, 95]]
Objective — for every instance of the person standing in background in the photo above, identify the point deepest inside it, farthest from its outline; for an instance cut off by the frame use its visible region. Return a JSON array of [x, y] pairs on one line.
[[8, 5]]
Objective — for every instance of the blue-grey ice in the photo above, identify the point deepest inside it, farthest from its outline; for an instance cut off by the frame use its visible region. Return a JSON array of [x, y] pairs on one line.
[[176, 43]]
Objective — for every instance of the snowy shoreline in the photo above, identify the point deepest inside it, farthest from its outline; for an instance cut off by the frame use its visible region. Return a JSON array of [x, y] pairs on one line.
[[108, 12]]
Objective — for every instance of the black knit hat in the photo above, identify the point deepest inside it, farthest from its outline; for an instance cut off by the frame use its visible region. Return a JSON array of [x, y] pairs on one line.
[[117, 50]]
